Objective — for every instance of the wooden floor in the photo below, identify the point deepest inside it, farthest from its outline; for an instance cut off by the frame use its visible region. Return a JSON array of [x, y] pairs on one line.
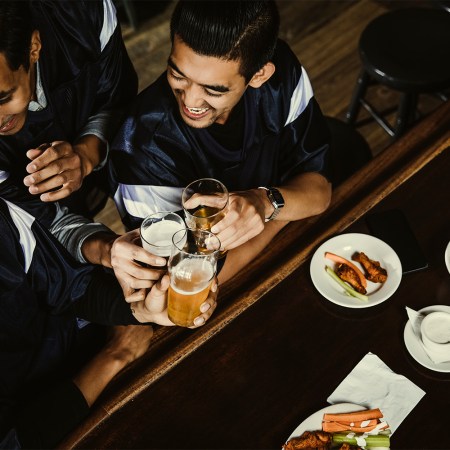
[[324, 35]]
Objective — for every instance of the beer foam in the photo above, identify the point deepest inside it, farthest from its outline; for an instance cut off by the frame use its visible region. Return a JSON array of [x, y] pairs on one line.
[[158, 237], [193, 273]]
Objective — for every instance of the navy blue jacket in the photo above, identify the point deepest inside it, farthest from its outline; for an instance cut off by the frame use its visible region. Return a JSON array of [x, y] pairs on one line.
[[79, 81]]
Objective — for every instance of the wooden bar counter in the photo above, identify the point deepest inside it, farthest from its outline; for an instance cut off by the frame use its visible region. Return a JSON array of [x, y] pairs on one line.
[[275, 348]]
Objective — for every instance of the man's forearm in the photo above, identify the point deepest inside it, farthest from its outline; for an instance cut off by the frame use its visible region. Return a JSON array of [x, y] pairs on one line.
[[305, 195], [96, 249], [241, 256]]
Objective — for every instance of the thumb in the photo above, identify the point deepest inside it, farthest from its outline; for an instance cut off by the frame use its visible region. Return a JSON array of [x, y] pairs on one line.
[[156, 298]]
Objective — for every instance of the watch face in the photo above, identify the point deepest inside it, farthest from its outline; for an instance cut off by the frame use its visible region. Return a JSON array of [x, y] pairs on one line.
[[277, 197]]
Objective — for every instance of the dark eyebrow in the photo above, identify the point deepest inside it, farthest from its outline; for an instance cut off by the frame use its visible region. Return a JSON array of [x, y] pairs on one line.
[[4, 94], [217, 88]]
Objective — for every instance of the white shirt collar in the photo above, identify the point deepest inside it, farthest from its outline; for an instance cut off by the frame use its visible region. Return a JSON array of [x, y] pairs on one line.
[[41, 101]]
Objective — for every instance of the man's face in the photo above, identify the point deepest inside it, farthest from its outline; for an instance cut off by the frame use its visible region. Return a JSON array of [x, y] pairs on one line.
[[206, 88], [16, 92]]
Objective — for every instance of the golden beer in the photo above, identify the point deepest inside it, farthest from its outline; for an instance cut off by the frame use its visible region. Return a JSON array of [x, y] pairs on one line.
[[205, 217], [190, 282]]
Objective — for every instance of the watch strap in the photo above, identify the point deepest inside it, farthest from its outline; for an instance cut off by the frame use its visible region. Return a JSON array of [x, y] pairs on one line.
[[277, 204]]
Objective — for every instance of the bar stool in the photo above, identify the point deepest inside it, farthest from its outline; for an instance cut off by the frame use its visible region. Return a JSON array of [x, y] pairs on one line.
[[407, 50], [349, 150]]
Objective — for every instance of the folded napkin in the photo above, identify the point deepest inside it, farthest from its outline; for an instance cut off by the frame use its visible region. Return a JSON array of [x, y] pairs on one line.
[[416, 320], [372, 384]]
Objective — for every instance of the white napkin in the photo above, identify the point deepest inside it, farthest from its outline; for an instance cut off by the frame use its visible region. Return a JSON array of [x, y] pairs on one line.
[[373, 384], [416, 319]]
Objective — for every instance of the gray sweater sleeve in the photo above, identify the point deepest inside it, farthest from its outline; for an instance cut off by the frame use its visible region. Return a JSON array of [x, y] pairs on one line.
[[72, 230]]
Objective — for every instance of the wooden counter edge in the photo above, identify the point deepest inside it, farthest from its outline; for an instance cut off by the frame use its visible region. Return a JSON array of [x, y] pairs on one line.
[[295, 245]]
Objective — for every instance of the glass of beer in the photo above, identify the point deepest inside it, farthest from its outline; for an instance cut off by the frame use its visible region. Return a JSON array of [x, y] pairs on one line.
[[205, 203], [192, 267], [157, 230]]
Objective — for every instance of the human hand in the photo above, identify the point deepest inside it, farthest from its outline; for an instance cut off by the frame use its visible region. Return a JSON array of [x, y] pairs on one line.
[[244, 219], [134, 278], [55, 167], [154, 307]]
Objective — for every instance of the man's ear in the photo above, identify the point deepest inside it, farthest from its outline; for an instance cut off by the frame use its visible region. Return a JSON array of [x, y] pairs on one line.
[[262, 75], [35, 48]]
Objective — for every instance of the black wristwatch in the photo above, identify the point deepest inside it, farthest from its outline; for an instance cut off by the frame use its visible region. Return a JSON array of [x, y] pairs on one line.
[[276, 199]]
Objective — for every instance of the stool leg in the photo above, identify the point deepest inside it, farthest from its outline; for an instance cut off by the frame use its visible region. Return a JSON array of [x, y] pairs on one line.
[[358, 93], [406, 113]]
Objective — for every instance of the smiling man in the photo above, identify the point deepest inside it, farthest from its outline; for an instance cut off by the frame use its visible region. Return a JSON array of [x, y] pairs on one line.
[[64, 77], [236, 105]]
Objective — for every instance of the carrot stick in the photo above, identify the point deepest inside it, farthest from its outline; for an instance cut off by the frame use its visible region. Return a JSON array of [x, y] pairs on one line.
[[365, 414], [340, 260], [333, 427]]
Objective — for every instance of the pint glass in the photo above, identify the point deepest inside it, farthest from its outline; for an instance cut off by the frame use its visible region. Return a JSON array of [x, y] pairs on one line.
[[210, 209], [157, 230], [192, 267]]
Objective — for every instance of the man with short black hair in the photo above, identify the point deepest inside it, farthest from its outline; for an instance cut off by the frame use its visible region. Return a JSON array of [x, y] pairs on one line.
[[235, 104], [65, 77]]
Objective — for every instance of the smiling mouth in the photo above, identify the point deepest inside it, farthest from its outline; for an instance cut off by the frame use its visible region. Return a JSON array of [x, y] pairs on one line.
[[8, 124], [195, 113]]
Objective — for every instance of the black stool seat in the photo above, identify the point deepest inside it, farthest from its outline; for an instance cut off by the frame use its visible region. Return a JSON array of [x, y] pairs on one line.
[[407, 50]]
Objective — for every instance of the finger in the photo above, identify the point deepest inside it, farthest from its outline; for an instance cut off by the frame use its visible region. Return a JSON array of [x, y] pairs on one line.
[[45, 180], [230, 217], [56, 195], [136, 296], [202, 318], [35, 152], [207, 200], [159, 289], [48, 155]]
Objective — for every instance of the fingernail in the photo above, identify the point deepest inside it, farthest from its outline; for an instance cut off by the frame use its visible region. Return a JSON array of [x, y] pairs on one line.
[[34, 190], [205, 307], [199, 321], [160, 262]]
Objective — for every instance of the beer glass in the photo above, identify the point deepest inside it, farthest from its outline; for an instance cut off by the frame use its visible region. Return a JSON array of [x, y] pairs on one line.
[[192, 267], [157, 230], [212, 207]]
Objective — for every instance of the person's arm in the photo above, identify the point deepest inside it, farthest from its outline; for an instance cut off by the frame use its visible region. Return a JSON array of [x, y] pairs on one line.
[[50, 415], [305, 195]]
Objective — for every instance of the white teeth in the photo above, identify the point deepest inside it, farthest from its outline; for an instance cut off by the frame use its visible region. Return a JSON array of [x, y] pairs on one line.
[[197, 110]]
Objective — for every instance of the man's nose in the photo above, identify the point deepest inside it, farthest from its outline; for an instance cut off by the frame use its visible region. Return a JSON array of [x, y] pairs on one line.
[[193, 96]]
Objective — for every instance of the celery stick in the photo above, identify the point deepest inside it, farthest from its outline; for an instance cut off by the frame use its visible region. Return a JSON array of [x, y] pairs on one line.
[[347, 287], [372, 440]]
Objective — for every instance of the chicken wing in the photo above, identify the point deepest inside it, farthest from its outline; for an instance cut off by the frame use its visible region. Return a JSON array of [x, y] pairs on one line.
[[317, 440], [346, 273], [373, 269]]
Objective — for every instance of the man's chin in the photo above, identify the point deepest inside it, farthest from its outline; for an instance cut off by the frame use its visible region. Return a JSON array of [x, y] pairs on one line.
[[204, 122]]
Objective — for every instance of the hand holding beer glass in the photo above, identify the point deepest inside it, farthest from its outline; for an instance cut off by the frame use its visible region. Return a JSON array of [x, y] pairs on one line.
[[205, 202], [192, 268]]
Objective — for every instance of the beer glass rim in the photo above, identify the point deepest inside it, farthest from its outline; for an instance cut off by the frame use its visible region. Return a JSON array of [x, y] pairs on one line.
[[225, 191], [151, 216], [206, 253]]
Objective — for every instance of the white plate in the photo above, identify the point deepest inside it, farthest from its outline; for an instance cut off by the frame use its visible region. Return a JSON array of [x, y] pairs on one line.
[[346, 245], [415, 347], [314, 421], [447, 256]]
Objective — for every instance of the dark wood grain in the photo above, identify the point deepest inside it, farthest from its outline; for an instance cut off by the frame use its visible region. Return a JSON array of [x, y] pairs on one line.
[[163, 371]]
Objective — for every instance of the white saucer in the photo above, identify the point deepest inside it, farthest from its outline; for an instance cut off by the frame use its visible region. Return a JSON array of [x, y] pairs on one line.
[[415, 347], [447, 257]]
